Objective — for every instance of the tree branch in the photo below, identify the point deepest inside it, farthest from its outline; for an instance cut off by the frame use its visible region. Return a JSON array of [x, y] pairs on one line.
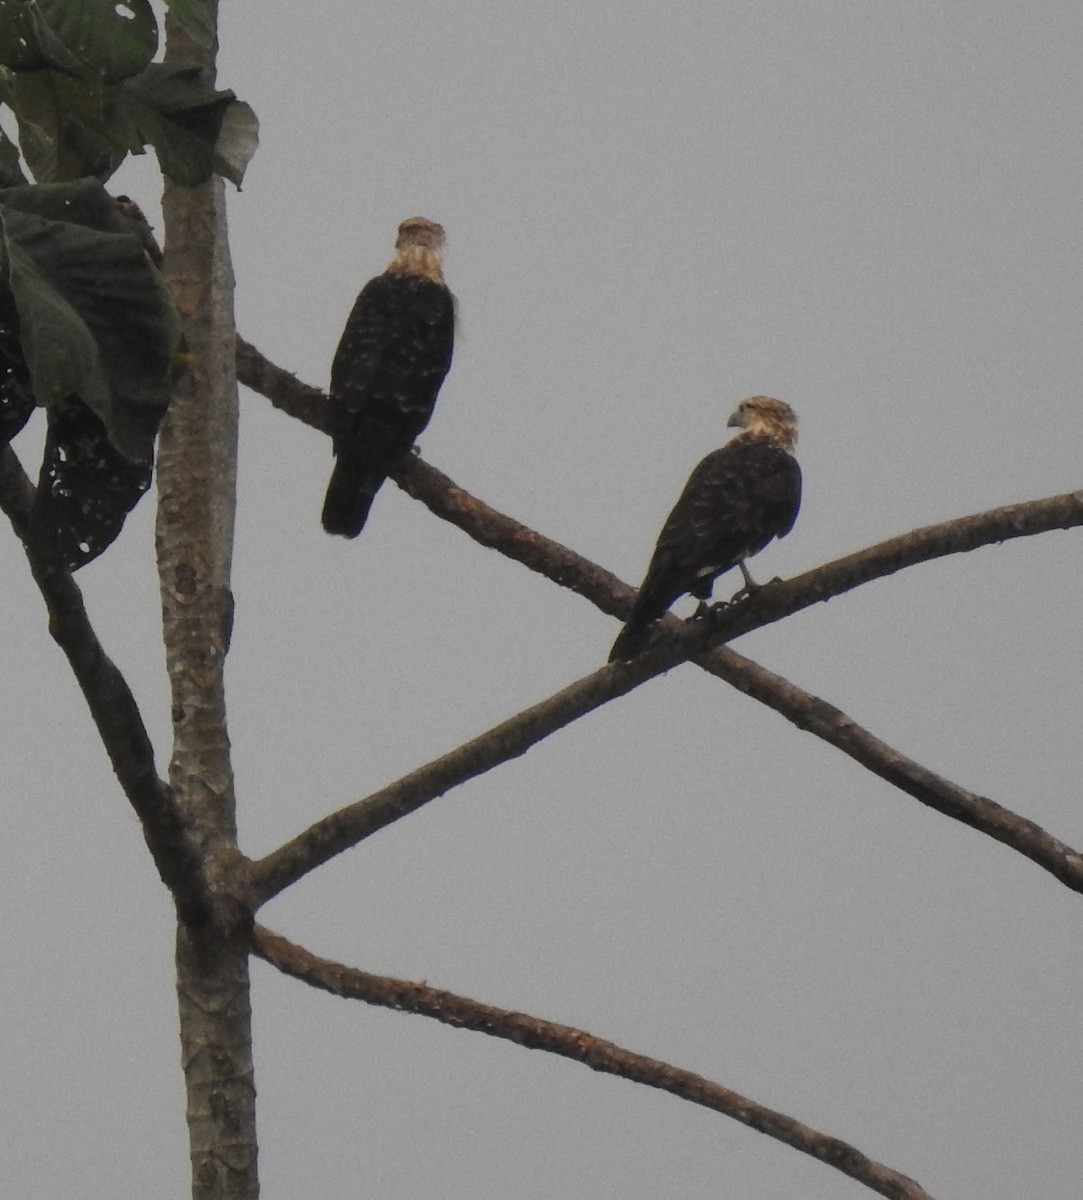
[[441, 496], [563, 566], [112, 707], [832, 725], [535, 1034], [493, 529], [285, 391], [778, 600], [346, 827]]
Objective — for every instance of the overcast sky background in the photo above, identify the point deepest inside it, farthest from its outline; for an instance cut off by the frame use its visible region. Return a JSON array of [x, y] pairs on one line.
[[870, 210]]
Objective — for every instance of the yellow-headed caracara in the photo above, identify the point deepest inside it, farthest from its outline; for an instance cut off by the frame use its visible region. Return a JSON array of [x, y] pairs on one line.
[[388, 368], [735, 501]]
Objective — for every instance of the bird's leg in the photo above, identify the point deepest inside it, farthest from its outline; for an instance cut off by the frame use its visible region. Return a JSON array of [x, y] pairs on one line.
[[702, 593], [750, 588]]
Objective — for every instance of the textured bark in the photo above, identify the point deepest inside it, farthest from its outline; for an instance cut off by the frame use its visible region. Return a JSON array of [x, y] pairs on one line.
[[112, 707], [689, 640], [196, 503], [532, 1033]]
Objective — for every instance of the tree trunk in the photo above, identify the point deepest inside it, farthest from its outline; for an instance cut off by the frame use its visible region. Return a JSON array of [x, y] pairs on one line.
[[196, 476]]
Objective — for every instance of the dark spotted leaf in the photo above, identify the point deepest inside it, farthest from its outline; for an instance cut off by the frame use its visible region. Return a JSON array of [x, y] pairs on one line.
[[16, 394], [85, 489]]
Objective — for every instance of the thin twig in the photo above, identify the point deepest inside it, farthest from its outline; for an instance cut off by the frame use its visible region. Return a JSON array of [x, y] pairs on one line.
[[535, 1034]]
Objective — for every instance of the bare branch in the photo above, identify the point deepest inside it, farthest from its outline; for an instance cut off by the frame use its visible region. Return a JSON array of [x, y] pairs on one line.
[[829, 723], [346, 827], [16, 492], [562, 565], [775, 601], [442, 496], [113, 709], [285, 391], [491, 528], [532, 1033]]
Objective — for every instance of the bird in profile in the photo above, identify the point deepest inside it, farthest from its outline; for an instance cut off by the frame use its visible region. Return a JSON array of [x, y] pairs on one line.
[[388, 368], [735, 501]]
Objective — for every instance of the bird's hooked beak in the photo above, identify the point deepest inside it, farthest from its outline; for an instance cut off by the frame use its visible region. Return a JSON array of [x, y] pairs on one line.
[[736, 421]]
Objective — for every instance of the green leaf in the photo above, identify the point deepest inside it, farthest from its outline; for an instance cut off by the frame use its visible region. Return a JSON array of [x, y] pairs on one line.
[[11, 171], [64, 130], [94, 316], [237, 141], [194, 19], [181, 117], [79, 77], [103, 41], [19, 41]]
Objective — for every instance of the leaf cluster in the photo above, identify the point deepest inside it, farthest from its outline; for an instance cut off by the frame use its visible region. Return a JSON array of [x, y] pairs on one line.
[[80, 78], [93, 316]]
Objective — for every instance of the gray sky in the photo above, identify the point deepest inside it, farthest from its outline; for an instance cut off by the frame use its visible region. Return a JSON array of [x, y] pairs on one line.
[[871, 211]]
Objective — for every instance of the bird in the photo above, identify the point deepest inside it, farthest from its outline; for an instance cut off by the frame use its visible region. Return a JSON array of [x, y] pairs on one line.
[[394, 354], [735, 501]]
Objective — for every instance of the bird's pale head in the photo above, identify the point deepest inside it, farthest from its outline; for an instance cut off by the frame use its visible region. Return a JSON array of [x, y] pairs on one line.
[[766, 417], [418, 231], [417, 249]]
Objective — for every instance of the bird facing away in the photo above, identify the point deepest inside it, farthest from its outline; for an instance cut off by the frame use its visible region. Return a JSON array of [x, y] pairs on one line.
[[388, 368], [735, 501]]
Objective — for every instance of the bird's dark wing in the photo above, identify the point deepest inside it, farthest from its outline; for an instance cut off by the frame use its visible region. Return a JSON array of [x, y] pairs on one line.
[[396, 347], [735, 501], [361, 348]]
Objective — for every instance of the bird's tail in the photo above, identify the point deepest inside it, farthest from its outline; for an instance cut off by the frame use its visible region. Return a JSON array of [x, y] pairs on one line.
[[636, 634], [630, 641], [349, 496]]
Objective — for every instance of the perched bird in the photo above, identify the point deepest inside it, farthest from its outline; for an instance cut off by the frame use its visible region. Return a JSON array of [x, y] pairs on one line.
[[735, 501], [393, 356]]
